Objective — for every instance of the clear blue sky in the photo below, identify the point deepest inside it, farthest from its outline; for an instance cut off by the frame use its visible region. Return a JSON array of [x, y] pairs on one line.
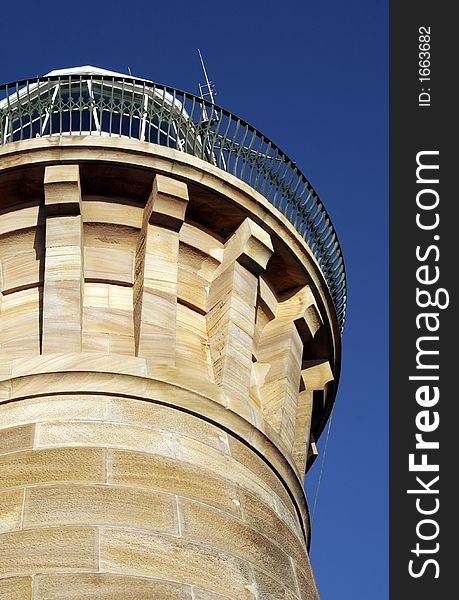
[[312, 76]]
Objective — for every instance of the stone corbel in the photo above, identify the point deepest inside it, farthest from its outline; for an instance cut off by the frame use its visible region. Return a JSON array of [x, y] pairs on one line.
[[231, 309], [315, 375], [156, 271], [63, 277], [281, 349]]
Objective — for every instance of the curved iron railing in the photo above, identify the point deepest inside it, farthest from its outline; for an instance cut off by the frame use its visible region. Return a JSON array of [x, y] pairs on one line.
[[94, 104]]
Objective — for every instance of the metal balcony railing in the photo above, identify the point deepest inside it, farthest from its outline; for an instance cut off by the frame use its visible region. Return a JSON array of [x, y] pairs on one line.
[[122, 106]]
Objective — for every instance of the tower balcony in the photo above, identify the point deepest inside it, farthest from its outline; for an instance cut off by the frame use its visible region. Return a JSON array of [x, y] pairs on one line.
[[88, 101]]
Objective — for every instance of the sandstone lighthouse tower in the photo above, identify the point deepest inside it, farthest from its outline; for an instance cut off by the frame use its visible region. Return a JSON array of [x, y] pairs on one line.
[[171, 304]]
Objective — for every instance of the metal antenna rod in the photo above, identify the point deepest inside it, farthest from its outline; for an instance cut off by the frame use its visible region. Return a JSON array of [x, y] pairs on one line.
[[216, 116], [208, 83]]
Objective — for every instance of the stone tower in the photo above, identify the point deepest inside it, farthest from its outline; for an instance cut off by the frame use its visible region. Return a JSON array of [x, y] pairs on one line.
[[172, 295]]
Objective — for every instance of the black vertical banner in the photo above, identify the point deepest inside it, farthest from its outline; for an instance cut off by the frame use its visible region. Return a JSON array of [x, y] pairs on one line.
[[424, 328]]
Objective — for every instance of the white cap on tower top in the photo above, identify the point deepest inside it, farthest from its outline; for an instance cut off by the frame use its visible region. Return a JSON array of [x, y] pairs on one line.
[[87, 70]]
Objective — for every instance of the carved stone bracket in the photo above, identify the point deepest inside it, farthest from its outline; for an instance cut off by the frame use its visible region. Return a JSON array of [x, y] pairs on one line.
[[156, 271]]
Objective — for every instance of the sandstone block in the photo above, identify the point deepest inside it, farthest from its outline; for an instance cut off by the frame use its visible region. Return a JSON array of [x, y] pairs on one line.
[[11, 502], [141, 553], [16, 438], [147, 470], [57, 548], [272, 589], [214, 528], [111, 435], [100, 505], [16, 588], [53, 408], [107, 586], [52, 465], [168, 419]]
